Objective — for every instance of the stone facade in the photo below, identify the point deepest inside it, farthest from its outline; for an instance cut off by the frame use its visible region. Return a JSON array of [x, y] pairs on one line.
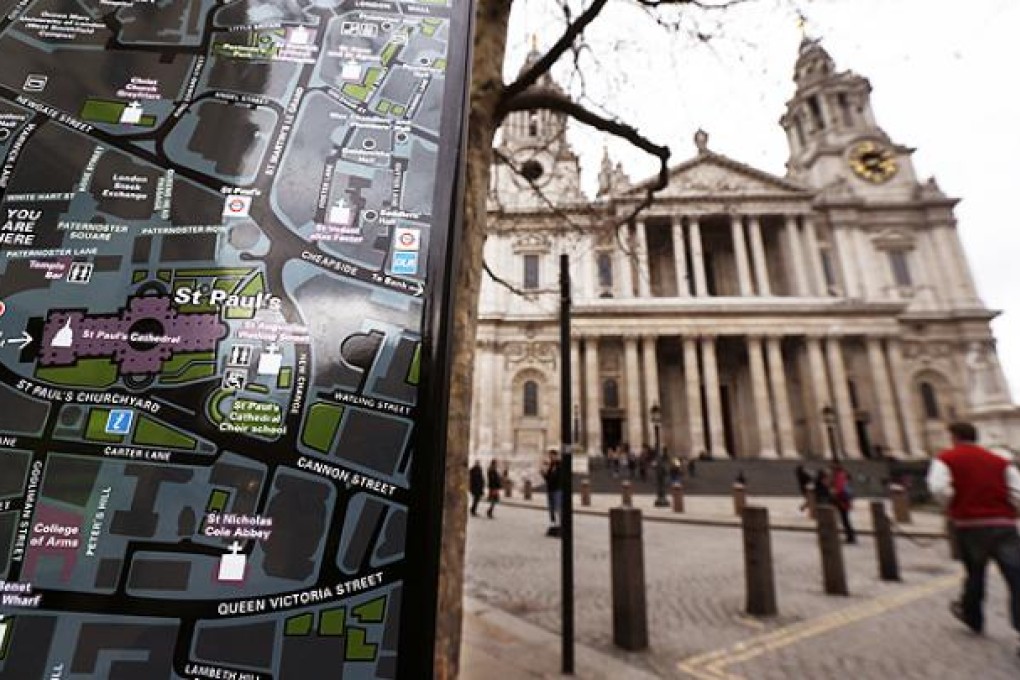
[[766, 316]]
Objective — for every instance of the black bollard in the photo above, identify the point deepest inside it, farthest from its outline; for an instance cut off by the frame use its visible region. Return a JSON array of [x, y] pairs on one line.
[[626, 495], [678, 498], [901, 503], [527, 489], [885, 543], [833, 570], [739, 499], [630, 617], [758, 572]]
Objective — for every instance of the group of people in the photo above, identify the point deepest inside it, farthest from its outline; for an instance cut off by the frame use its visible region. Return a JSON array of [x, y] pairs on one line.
[[830, 487], [979, 488], [625, 462], [480, 480]]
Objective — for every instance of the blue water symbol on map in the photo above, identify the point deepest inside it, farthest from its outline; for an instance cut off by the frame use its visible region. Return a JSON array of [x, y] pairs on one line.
[[119, 421], [404, 263]]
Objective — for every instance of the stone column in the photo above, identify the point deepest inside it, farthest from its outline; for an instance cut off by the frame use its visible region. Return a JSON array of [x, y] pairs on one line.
[[635, 419], [843, 405], [700, 280], [814, 258], [820, 390], [871, 276], [777, 373], [796, 250], [680, 258], [644, 280], [692, 379], [592, 396], [927, 281], [651, 366], [846, 256], [740, 254], [587, 288], [884, 396], [626, 283], [500, 417], [760, 394], [761, 267], [966, 290], [903, 388], [575, 376], [713, 397]]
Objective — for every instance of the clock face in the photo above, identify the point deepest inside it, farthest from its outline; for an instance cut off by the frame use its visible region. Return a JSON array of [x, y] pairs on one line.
[[533, 166], [872, 161]]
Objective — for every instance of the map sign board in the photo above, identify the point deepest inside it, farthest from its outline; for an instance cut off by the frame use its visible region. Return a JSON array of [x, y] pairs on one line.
[[226, 237]]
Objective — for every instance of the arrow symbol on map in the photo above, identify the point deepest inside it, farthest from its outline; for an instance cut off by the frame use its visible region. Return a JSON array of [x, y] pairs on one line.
[[22, 342]]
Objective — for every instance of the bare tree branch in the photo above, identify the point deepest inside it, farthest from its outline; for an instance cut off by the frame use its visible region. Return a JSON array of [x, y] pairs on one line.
[[516, 290], [545, 62], [549, 98], [700, 4]]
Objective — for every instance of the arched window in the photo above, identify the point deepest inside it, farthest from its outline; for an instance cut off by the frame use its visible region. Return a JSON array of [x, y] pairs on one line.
[[610, 394], [531, 398], [929, 401]]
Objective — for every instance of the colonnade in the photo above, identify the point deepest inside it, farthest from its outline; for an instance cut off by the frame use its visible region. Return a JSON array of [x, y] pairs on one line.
[[785, 422], [857, 267], [800, 246]]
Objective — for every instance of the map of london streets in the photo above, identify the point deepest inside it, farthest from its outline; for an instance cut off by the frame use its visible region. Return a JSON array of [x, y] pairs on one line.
[[215, 219]]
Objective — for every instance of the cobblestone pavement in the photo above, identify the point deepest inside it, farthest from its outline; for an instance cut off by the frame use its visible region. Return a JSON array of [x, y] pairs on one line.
[[695, 594]]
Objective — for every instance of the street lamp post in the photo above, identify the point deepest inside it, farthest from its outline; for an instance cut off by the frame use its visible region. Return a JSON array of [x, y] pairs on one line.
[[660, 473], [829, 418]]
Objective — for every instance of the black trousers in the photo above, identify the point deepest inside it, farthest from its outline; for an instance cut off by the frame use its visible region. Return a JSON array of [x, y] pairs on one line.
[[978, 545], [475, 499], [844, 516]]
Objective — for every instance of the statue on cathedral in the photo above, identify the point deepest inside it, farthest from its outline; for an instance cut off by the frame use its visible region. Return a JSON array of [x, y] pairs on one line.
[[986, 384]]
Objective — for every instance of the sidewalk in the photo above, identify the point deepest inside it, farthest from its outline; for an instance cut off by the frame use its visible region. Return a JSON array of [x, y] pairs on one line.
[[499, 645], [784, 512]]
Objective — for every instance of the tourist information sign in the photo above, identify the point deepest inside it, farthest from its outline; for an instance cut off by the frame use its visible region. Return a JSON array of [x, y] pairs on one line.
[[225, 235]]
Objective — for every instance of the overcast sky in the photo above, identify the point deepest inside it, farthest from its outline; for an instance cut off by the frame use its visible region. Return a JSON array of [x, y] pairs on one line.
[[944, 78]]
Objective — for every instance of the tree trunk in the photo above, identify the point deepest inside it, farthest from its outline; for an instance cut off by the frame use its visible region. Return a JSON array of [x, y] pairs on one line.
[[491, 18]]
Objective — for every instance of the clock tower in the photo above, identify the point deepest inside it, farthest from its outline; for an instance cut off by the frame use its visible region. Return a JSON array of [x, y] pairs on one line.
[[833, 137], [533, 155]]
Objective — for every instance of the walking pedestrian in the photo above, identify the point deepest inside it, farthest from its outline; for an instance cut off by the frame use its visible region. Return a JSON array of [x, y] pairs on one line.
[[551, 475], [843, 495], [477, 486], [803, 480], [495, 483], [981, 490]]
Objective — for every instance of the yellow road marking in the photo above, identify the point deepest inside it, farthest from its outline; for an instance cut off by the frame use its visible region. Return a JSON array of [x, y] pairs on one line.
[[712, 665]]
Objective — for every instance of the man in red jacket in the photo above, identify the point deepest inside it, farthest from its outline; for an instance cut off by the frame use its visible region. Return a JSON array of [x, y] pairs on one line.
[[982, 492]]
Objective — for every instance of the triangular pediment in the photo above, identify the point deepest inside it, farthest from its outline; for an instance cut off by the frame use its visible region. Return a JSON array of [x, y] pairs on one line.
[[712, 175]]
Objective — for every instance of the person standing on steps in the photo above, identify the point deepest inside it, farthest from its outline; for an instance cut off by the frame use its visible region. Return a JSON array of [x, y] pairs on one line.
[[495, 483], [477, 486], [842, 494], [981, 490]]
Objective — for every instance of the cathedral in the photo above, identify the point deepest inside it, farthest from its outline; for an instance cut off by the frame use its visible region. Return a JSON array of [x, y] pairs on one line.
[[743, 315]]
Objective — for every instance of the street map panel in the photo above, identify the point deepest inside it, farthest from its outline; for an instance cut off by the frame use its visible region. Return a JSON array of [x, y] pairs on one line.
[[216, 218]]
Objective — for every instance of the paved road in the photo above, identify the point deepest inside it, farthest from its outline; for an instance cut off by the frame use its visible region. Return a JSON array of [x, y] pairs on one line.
[[695, 594]]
